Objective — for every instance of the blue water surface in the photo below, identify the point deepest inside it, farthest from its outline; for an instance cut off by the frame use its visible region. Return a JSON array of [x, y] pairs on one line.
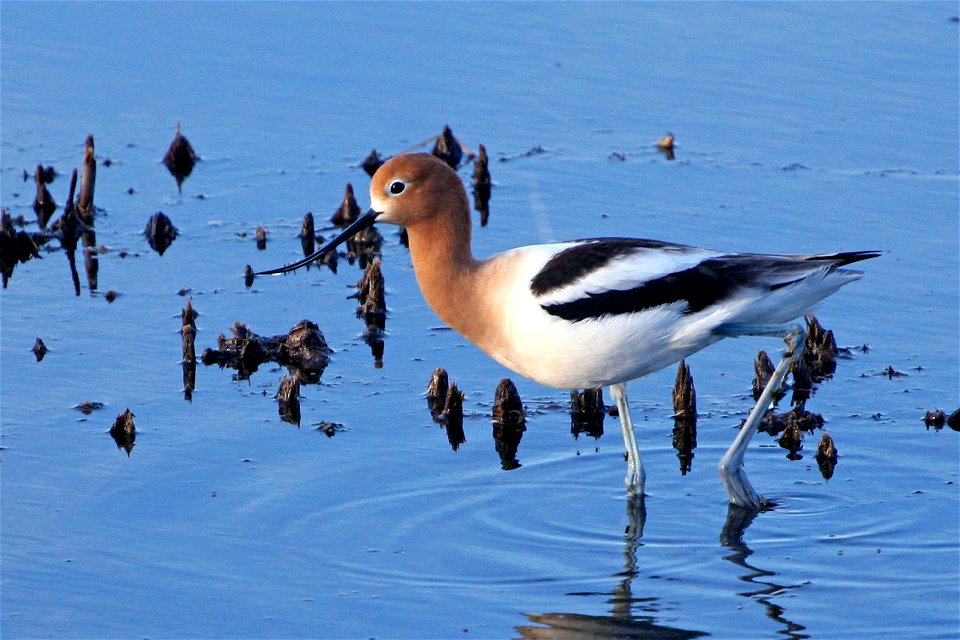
[[800, 127]]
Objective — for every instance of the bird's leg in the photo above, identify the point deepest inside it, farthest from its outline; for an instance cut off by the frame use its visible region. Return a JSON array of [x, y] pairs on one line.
[[732, 471], [635, 475]]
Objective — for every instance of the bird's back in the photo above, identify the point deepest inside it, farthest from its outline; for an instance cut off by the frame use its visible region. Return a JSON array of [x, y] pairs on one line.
[[592, 312]]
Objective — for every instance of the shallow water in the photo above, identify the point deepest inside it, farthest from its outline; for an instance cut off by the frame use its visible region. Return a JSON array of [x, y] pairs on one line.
[[800, 127]]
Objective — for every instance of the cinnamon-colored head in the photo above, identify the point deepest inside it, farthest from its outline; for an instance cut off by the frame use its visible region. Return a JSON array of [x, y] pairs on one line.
[[414, 188]]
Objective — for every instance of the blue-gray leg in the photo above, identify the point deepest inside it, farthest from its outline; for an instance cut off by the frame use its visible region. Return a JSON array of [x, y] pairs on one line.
[[636, 477], [732, 471]]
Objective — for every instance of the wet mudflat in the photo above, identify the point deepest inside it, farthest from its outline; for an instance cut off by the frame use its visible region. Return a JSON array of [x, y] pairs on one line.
[[797, 128]]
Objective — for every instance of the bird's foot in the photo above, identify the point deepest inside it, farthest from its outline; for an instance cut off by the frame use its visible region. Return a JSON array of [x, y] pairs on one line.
[[635, 479], [739, 490]]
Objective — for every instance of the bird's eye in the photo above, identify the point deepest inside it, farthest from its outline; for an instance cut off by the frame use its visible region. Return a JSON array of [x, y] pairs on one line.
[[397, 187]]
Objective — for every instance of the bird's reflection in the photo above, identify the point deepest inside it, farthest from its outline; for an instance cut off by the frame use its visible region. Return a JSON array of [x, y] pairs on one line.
[[573, 626], [731, 537], [631, 617], [634, 617]]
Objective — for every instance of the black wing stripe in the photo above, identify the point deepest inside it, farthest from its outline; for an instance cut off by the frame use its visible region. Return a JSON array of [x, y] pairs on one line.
[[699, 287], [573, 263]]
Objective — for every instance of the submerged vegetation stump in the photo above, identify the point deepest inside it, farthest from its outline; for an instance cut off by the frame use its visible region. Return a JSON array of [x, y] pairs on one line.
[[371, 298], [762, 372], [308, 236], [68, 228], [124, 432], [509, 423], [684, 417], [15, 246], [180, 158], [792, 439], [372, 162], [288, 400], [364, 247], [819, 350], [827, 456], [348, 211], [303, 350], [43, 203], [160, 232], [684, 394], [666, 145], [453, 417], [587, 412], [437, 392], [308, 239], [39, 350], [447, 148]]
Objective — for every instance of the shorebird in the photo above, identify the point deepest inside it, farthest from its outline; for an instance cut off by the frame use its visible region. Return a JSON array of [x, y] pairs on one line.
[[597, 312]]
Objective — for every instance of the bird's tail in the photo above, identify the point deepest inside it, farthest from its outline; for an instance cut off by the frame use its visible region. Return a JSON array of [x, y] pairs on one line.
[[843, 258]]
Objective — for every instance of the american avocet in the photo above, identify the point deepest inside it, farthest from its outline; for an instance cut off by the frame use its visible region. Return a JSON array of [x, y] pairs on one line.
[[596, 312]]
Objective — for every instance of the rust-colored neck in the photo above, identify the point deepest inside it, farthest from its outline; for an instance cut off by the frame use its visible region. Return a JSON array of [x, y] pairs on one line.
[[447, 272]]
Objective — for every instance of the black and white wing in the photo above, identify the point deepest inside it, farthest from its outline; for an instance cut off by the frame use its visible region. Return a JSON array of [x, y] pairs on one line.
[[600, 277]]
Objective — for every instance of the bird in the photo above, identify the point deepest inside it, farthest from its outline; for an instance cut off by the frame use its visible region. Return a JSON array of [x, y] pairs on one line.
[[596, 312]]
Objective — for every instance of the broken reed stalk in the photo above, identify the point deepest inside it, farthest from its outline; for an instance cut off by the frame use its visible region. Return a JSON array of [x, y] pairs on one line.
[[802, 383], [189, 334], [16, 246], [307, 234], [308, 238], [587, 412], [188, 331], [448, 148], [762, 370], [69, 228], [684, 394], [685, 417], [348, 211], [85, 212], [482, 186], [819, 350], [43, 203], [452, 417], [453, 406], [437, 392], [365, 247], [288, 400], [372, 162], [372, 307]]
